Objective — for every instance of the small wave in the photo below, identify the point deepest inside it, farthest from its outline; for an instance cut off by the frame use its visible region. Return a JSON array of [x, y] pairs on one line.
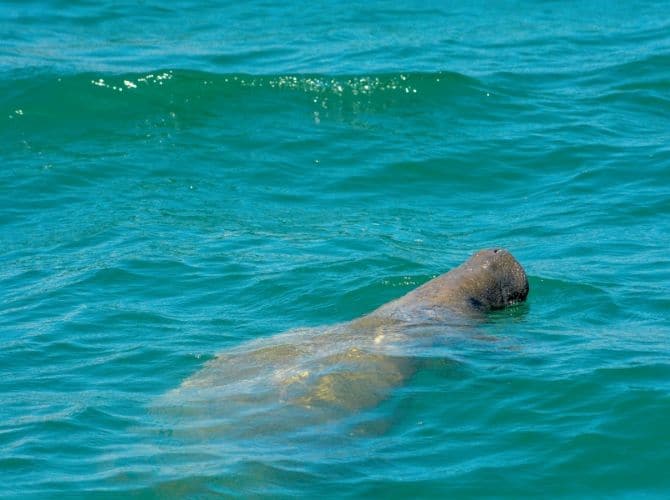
[[36, 83]]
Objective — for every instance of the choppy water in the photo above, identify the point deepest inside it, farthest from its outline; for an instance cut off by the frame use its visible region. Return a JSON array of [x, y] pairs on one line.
[[179, 179]]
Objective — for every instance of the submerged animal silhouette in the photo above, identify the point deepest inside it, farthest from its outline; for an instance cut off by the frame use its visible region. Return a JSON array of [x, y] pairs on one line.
[[351, 365]]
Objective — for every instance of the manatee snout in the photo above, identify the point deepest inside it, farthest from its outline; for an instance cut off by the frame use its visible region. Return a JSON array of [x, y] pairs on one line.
[[503, 279]]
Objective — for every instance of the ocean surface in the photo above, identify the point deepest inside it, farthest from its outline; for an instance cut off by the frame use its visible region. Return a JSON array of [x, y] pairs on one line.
[[184, 182]]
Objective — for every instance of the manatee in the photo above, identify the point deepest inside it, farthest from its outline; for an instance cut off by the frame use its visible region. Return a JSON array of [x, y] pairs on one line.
[[312, 374]]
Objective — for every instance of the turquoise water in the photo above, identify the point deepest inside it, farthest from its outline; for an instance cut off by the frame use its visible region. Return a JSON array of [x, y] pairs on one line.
[[180, 179]]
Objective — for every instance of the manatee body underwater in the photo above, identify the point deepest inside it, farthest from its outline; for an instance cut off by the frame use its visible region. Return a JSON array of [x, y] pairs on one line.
[[308, 376]]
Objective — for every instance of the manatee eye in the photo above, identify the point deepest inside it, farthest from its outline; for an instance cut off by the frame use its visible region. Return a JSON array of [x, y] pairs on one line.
[[476, 303]]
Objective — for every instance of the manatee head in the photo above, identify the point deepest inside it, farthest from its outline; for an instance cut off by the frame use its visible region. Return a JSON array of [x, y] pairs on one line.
[[494, 280]]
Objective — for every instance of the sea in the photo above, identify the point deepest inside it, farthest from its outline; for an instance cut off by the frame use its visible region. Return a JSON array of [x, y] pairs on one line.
[[182, 180]]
